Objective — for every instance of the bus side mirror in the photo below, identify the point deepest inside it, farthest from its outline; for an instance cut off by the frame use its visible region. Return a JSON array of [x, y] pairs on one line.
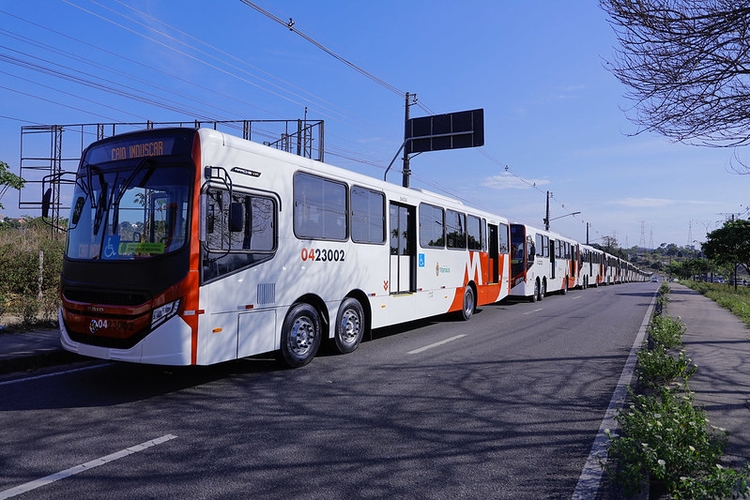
[[46, 201], [236, 220], [77, 211]]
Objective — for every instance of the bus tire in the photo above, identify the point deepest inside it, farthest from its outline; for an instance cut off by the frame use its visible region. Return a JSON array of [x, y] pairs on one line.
[[535, 296], [350, 326], [300, 335], [543, 289], [565, 286], [469, 304]]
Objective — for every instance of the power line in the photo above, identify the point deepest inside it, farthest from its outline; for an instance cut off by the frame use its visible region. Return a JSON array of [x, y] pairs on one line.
[[291, 23]]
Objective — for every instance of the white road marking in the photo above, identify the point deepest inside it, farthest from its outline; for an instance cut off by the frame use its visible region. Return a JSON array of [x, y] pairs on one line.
[[533, 311], [591, 475], [32, 485], [422, 349], [47, 375]]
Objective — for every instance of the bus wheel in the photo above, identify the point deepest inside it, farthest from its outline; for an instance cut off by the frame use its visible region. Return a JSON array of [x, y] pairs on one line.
[[543, 290], [350, 326], [565, 286], [300, 335], [535, 296], [467, 311]]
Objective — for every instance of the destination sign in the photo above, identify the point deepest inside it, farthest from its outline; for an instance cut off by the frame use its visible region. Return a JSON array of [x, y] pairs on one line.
[[137, 150], [141, 146]]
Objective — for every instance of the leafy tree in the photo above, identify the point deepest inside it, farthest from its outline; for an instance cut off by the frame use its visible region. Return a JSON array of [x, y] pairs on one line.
[[688, 268], [686, 65], [730, 244], [8, 179]]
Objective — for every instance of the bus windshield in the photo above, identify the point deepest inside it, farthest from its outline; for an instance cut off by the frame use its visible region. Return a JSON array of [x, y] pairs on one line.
[[128, 210]]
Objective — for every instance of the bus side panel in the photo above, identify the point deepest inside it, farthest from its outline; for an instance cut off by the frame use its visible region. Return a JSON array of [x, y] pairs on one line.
[[248, 343]]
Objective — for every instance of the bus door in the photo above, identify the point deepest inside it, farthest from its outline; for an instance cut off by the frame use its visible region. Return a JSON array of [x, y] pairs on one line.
[[552, 255], [494, 272], [403, 249]]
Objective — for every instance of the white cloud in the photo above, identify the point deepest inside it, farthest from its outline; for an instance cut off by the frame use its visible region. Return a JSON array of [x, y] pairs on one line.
[[644, 202]]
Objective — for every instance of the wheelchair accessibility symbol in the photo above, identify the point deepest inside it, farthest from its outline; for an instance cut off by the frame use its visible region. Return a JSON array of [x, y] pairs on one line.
[[111, 245]]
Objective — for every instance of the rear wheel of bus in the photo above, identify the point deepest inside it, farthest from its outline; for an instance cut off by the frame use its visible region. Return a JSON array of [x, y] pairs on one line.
[[300, 335]]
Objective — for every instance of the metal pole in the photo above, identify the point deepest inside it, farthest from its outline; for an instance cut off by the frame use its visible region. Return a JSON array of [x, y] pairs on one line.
[[406, 169], [546, 217]]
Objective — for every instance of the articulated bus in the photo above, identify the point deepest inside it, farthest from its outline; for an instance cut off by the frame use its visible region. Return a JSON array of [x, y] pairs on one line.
[[193, 247], [541, 262]]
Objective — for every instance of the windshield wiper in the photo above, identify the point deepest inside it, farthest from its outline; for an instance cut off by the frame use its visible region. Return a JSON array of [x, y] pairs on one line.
[[124, 189]]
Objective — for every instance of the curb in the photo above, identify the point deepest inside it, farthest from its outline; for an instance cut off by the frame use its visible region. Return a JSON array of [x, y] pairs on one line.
[[35, 361]]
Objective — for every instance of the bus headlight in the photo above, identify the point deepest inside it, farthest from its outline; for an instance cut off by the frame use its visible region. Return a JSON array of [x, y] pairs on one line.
[[163, 313]]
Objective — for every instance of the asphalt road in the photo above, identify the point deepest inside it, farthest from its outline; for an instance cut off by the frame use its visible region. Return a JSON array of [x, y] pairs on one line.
[[504, 406]]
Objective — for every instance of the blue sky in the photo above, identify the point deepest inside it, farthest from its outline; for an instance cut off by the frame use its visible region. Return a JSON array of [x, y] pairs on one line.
[[553, 113]]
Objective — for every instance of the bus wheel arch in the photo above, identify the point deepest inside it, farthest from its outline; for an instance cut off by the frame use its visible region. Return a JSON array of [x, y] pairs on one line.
[[352, 321]]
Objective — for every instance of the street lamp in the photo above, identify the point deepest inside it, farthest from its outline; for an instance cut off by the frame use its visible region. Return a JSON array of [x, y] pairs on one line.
[[547, 220]]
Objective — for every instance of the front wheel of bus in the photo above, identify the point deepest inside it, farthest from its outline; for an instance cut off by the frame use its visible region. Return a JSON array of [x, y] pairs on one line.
[[300, 335], [350, 326]]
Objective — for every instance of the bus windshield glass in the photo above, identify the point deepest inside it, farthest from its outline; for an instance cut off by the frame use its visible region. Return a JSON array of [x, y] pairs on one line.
[[131, 209]]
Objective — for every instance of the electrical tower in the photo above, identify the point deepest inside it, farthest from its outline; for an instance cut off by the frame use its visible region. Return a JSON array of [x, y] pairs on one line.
[[642, 241]]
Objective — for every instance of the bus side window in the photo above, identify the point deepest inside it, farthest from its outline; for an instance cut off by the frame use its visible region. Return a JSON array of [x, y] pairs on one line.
[[504, 246], [240, 234], [320, 208]]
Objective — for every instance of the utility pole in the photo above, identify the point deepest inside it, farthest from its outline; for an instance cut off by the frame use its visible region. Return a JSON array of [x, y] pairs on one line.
[[406, 170], [546, 217]]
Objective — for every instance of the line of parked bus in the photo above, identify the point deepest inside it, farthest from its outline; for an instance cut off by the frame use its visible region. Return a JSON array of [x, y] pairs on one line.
[[543, 262], [193, 247]]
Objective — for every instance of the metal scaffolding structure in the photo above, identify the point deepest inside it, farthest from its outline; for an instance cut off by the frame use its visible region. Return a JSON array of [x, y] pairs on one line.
[[46, 157]]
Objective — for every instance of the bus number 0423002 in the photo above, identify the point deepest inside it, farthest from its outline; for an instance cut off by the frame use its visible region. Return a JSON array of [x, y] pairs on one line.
[[322, 255]]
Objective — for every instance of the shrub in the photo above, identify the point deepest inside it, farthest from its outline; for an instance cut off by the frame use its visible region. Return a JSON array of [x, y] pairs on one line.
[[666, 331], [657, 367], [662, 297], [666, 438], [21, 298]]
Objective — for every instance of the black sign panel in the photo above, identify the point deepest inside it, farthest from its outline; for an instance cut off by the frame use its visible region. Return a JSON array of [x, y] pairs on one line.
[[464, 129]]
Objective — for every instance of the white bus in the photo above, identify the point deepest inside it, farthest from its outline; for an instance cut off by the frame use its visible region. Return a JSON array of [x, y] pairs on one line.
[[541, 262], [193, 247], [592, 266]]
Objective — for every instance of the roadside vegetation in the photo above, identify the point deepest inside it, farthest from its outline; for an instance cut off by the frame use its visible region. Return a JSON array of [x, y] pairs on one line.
[[665, 444], [30, 265]]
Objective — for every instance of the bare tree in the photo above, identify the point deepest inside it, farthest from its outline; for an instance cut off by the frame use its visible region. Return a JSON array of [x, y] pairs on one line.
[[686, 64]]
